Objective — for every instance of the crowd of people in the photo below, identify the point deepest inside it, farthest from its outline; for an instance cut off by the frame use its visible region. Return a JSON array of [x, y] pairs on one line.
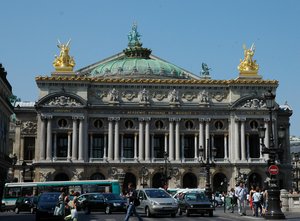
[[241, 196]]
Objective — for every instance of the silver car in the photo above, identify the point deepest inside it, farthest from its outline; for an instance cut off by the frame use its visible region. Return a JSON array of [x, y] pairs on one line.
[[156, 201]]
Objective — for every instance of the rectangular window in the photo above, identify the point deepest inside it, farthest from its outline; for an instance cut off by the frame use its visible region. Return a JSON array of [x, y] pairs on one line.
[[62, 145], [219, 145], [98, 146], [29, 146], [159, 146], [128, 146], [189, 146], [254, 146]]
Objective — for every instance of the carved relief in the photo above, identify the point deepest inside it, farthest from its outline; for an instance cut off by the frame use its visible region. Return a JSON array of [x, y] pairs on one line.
[[254, 104], [113, 95], [64, 101], [173, 96], [204, 97], [219, 96], [159, 95], [28, 127], [189, 96], [129, 95], [144, 96]]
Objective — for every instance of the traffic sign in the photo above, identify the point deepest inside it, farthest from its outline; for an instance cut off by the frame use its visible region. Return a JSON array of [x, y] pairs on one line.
[[273, 169]]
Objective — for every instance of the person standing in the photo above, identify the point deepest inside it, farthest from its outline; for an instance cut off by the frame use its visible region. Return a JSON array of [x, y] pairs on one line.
[[257, 201], [132, 198], [241, 194]]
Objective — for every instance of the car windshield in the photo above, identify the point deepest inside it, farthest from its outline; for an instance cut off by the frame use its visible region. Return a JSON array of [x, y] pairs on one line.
[[157, 194], [196, 197], [49, 198], [112, 196]]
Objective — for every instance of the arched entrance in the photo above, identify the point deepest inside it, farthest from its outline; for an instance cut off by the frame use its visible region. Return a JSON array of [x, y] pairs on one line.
[[157, 180], [220, 183], [189, 180], [129, 178], [255, 180], [61, 177], [97, 176]]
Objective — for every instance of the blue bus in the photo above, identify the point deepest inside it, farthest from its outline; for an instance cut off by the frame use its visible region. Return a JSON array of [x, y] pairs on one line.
[[14, 190]]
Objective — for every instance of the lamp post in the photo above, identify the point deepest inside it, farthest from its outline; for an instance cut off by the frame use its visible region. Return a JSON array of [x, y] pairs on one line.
[[143, 175], [274, 210], [211, 152], [166, 177], [24, 165], [296, 170]]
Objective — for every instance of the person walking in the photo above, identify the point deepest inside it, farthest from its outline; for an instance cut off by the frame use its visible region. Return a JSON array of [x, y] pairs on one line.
[[257, 201], [133, 202], [241, 194]]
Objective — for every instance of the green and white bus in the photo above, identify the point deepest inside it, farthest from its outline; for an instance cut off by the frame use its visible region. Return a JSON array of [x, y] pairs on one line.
[[14, 190]]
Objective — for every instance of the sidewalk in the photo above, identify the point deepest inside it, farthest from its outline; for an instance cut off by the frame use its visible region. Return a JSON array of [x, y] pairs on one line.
[[220, 212]]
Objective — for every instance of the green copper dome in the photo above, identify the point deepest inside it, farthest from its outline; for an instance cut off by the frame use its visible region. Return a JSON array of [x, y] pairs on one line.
[[137, 62]]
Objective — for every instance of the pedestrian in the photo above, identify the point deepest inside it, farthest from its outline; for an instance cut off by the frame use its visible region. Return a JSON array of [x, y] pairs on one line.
[[241, 194], [257, 201], [133, 202], [232, 198], [265, 201], [252, 191]]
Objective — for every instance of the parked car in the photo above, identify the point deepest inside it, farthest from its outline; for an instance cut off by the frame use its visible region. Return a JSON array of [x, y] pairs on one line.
[[45, 206], [25, 204], [103, 202], [156, 201], [194, 203]]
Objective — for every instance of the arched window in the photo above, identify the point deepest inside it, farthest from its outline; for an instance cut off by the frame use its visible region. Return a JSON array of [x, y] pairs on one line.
[[189, 124], [219, 125], [98, 124], [129, 124], [62, 123], [159, 124]]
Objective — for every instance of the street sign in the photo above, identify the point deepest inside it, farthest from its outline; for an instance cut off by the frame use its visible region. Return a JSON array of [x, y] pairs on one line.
[[273, 169]]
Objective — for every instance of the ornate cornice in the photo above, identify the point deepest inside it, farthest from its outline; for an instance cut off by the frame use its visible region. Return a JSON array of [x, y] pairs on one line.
[[157, 81]]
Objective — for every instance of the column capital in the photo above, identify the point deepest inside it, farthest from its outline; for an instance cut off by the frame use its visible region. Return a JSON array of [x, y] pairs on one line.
[[113, 118], [174, 119], [47, 117]]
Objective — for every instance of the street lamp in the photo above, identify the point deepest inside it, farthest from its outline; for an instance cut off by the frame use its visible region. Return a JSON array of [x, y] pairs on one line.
[[143, 175], [211, 153], [274, 210], [296, 169], [24, 165], [166, 177]]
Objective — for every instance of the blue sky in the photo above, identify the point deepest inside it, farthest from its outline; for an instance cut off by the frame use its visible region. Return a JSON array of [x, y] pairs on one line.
[[185, 33]]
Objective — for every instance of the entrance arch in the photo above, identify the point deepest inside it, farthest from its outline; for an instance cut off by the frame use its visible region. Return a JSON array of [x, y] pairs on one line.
[[157, 180], [61, 177], [220, 183], [189, 180], [97, 176], [129, 178], [255, 180]]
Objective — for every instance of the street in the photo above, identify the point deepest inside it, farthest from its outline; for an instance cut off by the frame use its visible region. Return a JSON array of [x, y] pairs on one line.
[[218, 215]]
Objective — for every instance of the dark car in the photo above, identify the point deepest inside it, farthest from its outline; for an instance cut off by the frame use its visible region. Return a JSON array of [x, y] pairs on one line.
[[25, 204], [45, 206], [103, 202], [194, 203]]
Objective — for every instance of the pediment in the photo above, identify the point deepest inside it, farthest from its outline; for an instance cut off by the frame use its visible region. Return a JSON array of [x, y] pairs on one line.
[[61, 100]]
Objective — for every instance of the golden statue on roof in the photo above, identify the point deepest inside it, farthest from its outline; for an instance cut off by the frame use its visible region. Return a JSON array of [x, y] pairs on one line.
[[64, 62], [248, 66]]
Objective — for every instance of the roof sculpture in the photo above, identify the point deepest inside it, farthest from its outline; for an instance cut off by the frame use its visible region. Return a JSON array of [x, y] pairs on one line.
[[64, 62]]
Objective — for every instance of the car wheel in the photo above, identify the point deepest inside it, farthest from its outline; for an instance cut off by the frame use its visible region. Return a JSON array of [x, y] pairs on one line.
[[211, 213], [148, 213], [86, 210], [107, 210], [173, 215], [179, 212], [187, 212], [17, 210]]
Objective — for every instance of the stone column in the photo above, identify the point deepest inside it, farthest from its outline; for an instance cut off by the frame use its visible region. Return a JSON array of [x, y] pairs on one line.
[[105, 147], [225, 146], [166, 143], [81, 151], [110, 139], [135, 146], [196, 146], [171, 140], [147, 141], [181, 149], [49, 139], [141, 139], [74, 139], [248, 146], [236, 140], [201, 134], [177, 140], [55, 146], [152, 147], [122, 146], [243, 148], [69, 146], [267, 137], [117, 143], [21, 149], [91, 146], [207, 137], [43, 138]]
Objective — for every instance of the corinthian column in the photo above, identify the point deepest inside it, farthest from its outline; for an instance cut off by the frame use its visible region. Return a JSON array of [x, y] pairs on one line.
[[171, 140], [49, 138], [147, 140], [110, 139], [117, 141], [177, 139], [141, 140], [74, 139], [80, 152]]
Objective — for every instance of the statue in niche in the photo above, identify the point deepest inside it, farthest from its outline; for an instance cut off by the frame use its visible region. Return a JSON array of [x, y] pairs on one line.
[[204, 97], [114, 95], [144, 95], [173, 96]]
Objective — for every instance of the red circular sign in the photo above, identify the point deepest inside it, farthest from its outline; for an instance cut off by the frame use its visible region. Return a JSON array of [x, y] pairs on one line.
[[273, 169]]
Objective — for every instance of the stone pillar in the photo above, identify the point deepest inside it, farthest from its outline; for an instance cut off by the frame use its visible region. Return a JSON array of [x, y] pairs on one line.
[[91, 146], [171, 140], [21, 149], [74, 139], [54, 146], [196, 146], [110, 139], [177, 140], [105, 147], [117, 144], [80, 140], [243, 148], [69, 146], [141, 139], [43, 138], [201, 134], [248, 146], [49, 139], [152, 147], [147, 141], [236, 141], [267, 137], [207, 133], [135, 146], [225, 146], [166, 143]]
